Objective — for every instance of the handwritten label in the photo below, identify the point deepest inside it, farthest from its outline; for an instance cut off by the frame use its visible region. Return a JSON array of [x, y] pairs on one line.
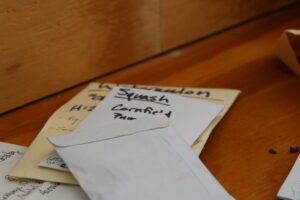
[[135, 103], [180, 91], [129, 95]]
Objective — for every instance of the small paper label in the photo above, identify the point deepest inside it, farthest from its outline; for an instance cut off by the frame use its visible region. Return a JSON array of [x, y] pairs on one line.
[[54, 161]]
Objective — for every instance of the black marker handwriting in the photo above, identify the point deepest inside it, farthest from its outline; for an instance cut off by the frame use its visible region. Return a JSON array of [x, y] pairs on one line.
[[181, 91], [146, 110], [49, 189], [126, 93], [82, 107], [96, 97], [6, 155], [123, 117]]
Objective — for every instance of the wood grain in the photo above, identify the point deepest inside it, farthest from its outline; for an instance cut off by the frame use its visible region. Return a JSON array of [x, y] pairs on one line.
[[47, 46], [187, 20], [266, 115]]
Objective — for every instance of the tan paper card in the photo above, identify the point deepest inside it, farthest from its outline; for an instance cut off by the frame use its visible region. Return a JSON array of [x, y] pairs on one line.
[[288, 49], [67, 117]]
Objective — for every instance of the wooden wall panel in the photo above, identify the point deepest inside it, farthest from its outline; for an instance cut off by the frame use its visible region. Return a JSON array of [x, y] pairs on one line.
[[187, 20], [46, 46]]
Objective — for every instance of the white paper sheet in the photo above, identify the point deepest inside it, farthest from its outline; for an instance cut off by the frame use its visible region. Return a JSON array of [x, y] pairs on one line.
[[290, 189], [189, 116], [28, 190], [57, 191], [152, 163], [10, 189]]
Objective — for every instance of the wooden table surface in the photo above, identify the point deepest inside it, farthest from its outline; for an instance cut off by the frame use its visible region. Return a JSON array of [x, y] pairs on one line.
[[266, 115]]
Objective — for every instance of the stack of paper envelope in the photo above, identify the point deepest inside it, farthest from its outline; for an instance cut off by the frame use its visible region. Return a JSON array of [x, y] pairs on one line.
[[134, 145], [68, 116], [30, 190]]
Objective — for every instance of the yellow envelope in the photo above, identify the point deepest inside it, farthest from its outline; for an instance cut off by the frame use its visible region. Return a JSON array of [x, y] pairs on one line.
[[67, 117]]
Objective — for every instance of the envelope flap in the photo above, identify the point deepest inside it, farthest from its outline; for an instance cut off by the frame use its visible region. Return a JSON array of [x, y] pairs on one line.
[[109, 131]]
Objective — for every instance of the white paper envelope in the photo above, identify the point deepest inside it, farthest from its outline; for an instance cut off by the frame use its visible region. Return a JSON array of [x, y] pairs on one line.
[[151, 162], [189, 116], [291, 187]]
